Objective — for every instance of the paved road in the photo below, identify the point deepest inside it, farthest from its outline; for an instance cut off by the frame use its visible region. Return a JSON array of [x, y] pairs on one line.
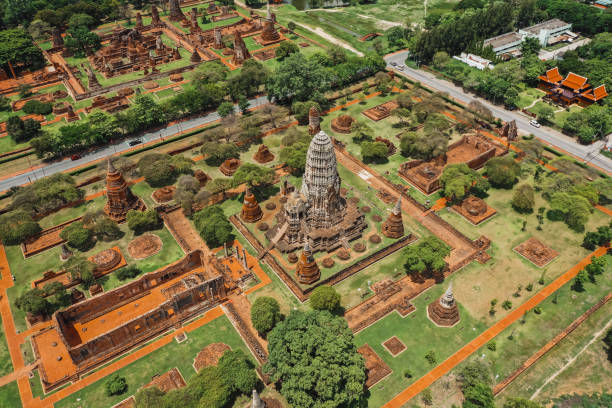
[[548, 55], [589, 153], [67, 164]]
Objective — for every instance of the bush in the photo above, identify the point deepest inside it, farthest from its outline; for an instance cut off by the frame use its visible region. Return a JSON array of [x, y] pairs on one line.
[[36, 107], [502, 171], [128, 272], [431, 357], [141, 221], [216, 153], [16, 227], [492, 345], [374, 152], [537, 310], [523, 199], [78, 236], [407, 373], [116, 385], [22, 130], [325, 297], [265, 313], [507, 305]]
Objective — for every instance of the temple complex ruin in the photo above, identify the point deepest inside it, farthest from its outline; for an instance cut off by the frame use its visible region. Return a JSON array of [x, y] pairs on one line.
[[444, 311], [318, 213], [120, 197], [393, 227]]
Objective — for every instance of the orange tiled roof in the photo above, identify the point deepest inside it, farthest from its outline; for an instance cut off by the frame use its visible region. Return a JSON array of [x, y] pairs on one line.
[[552, 76], [596, 94], [574, 81]]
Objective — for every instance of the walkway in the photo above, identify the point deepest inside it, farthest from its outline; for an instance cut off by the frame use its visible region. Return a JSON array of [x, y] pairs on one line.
[[422, 383]]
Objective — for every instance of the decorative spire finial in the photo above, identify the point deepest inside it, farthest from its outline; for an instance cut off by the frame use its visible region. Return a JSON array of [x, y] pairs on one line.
[[397, 209], [111, 168], [448, 299]]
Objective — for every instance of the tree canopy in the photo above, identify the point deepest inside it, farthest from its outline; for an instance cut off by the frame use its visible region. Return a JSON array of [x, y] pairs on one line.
[[502, 171], [325, 297], [426, 257], [17, 47], [457, 180], [213, 226], [254, 175], [423, 146], [16, 227], [265, 314], [312, 356]]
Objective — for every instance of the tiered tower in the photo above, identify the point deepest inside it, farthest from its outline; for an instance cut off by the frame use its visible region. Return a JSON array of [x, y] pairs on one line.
[[241, 53], [269, 33], [120, 197], [314, 121], [444, 311], [393, 227], [307, 271], [155, 21], [251, 211], [176, 14]]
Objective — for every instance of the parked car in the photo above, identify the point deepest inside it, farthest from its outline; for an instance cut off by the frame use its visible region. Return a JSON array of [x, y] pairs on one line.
[[134, 142], [75, 157], [535, 123]]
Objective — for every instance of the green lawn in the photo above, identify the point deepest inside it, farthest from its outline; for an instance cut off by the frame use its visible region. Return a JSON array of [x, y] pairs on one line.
[[158, 362], [6, 365], [420, 336], [9, 396]]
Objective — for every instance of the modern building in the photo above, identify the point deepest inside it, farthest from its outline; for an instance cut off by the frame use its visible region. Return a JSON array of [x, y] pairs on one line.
[[474, 61], [549, 32], [506, 45]]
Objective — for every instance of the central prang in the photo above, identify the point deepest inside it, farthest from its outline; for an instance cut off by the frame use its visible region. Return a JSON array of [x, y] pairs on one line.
[[318, 213]]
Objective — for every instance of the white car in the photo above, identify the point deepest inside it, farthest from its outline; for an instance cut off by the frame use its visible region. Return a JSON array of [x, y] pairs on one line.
[[535, 123], [393, 63]]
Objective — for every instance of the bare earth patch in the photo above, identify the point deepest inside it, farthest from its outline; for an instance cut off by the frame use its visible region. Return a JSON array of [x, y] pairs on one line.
[[210, 355], [145, 246], [376, 368], [394, 346]]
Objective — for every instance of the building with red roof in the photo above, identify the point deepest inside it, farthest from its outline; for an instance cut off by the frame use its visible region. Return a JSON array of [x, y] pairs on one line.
[[573, 88]]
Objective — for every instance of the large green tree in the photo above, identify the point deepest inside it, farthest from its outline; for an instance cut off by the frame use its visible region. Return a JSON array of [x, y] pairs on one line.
[[423, 146], [297, 79], [313, 358], [457, 180], [502, 171], [213, 226], [325, 297], [265, 313], [426, 257], [17, 47], [17, 226], [254, 175]]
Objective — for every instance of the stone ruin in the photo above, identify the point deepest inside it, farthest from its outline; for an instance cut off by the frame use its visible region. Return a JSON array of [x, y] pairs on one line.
[[129, 50], [393, 227], [106, 260], [164, 194], [109, 104], [263, 155], [381, 111], [268, 35], [444, 311], [251, 211], [241, 53], [176, 14], [120, 198], [538, 253], [391, 149], [202, 177], [342, 124], [509, 130], [229, 166], [474, 209], [314, 121], [318, 213], [307, 271]]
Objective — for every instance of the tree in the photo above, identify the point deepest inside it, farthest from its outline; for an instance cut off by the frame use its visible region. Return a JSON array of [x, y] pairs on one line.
[[291, 26], [46, 195], [254, 175], [79, 40], [294, 156], [523, 199], [128, 272], [141, 221], [285, 49], [243, 104], [225, 109], [473, 373], [457, 180], [16, 227], [530, 46], [297, 79], [546, 113], [81, 20], [423, 146], [33, 301], [579, 281], [116, 385], [325, 297], [77, 236], [426, 257], [574, 208], [440, 59], [502, 171], [81, 269], [209, 388], [162, 169], [300, 110], [265, 314], [216, 153], [237, 372], [374, 152], [17, 47], [104, 229], [213, 226], [317, 347], [478, 396]]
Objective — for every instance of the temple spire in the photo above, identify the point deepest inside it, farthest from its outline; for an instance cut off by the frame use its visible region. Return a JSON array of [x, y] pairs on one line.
[[398, 206], [448, 299], [257, 401], [111, 167], [268, 12], [306, 245]]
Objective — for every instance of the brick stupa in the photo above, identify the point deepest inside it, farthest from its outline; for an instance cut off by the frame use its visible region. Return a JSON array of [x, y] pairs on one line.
[[307, 271], [263, 155], [120, 197], [314, 121], [393, 227], [251, 211], [269, 35], [444, 311], [176, 14]]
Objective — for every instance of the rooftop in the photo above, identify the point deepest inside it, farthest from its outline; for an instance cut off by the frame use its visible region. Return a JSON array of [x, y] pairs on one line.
[[553, 24], [502, 40]]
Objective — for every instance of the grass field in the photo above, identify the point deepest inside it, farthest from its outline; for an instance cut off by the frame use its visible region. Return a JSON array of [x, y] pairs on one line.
[[6, 366], [158, 362], [9, 396]]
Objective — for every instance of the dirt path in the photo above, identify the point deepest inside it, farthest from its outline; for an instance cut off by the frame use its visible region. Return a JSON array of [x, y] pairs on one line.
[[596, 337], [382, 24], [321, 33], [422, 383]]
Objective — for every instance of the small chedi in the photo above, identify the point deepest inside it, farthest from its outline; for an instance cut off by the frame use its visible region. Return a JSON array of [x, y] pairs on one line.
[[314, 121], [263, 155], [229, 166], [318, 212], [444, 311], [269, 35], [393, 227], [307, 271], [120, 197], [251, 211], [176, 14], [342, 124]]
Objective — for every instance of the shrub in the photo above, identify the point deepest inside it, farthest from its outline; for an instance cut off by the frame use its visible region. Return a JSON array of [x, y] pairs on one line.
[[407, 373], [374, 152], [37, 107], [325, 297], [128, 272], [502, 171], [116, 385], [426, 397], [537, 310], [507, 305], [78, 236], [492, 345], [431, 357], [523, 199], [265, 313], [141, 221], [216, 153]]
